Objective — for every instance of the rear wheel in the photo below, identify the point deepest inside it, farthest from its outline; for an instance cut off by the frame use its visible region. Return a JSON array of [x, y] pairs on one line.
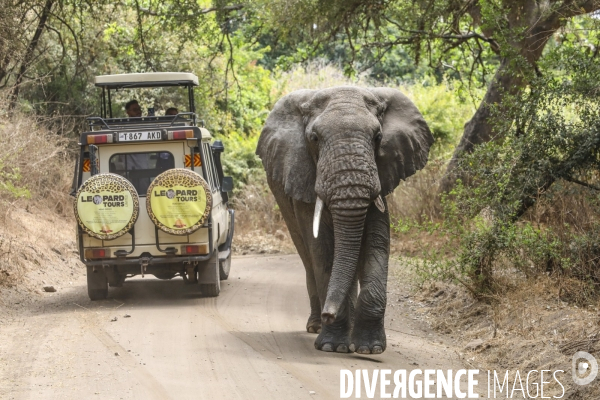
[[224, 268], [115, 278], [208, 276], [97, 284]]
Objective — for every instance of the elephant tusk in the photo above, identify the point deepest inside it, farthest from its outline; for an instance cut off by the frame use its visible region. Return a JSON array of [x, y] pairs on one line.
[[317, 217], [379, 204]]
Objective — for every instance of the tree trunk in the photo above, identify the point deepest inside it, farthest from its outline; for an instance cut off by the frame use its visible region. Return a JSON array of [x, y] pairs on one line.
[[538, 26], [480, 129], [28, 56]]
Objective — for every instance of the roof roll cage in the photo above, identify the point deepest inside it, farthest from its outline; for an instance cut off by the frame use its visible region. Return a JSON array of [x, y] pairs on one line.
[[182, 118], [144, 80]]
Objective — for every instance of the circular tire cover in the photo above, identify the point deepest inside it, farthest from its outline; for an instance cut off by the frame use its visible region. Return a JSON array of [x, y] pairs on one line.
[[106, 206], [178, 201]]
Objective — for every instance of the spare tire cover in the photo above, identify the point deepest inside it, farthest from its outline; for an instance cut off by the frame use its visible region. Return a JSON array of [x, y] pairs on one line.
[[178, 201], [106, 206]]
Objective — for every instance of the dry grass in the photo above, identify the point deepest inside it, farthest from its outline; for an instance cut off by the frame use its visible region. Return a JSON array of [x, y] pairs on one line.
[[259, 226], [36, 160], [36, 215], [529, 328], [316, 75], [416, 198]]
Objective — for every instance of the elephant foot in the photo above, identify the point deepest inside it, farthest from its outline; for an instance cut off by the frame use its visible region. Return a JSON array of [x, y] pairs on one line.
[[368, 338], [313, 325], [333, 339]]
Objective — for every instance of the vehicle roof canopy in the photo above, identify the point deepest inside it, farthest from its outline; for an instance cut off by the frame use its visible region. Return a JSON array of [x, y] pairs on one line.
[[148, 79]]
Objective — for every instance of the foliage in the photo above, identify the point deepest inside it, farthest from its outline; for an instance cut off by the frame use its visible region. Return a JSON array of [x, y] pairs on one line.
[[35, 162], [552, 143], [445, 110], [460, 39], [241, 161], [10, 182]]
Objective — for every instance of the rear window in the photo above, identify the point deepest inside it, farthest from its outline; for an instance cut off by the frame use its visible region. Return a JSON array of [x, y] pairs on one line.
[[141, 168]]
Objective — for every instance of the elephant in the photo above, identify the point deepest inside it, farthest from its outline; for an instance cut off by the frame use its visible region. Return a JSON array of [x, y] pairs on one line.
[[331, 156]]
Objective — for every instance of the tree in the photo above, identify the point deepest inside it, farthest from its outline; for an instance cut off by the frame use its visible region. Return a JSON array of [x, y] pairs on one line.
[[516, 32], [61, 44]]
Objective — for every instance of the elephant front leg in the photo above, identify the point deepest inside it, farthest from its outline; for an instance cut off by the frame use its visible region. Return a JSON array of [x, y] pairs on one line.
[[368, 334], [336, 336]]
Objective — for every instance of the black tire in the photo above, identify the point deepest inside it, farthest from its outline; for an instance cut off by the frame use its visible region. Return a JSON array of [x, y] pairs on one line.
[[224, 268], [115, 278], [97, 284], [210, 289], [208, 276]]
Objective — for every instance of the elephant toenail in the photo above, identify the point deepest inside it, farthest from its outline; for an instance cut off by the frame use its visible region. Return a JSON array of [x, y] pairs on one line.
[[311, 330], [363, 350], [327, 347], [377, 350], [319, 330], [352, 348], [342, 348]]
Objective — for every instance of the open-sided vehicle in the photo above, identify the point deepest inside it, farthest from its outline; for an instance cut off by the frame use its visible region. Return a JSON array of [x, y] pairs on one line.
[[150, 195]]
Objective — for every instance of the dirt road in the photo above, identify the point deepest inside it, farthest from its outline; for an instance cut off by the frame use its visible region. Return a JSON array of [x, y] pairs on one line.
[[151, 341]]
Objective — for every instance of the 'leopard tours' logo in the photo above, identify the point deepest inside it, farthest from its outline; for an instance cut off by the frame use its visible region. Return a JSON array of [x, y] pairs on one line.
[[585, 368]]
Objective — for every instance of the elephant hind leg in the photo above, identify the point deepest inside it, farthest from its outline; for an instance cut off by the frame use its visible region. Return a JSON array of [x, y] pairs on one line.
[[313, 325], [292, 217]]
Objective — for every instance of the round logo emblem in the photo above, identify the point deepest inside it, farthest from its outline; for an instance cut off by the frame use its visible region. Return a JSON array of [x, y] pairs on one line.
[[106, 206], [178, 201]]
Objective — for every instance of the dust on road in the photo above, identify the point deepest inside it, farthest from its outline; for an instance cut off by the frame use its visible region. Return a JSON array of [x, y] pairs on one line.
[[152, 339]]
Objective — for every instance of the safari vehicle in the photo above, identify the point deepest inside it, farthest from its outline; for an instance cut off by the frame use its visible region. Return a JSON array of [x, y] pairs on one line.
[[150, 195]]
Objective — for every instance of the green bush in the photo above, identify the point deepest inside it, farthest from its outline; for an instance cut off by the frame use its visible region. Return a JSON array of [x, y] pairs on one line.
[[548, 157], [10, 182], [240, 160]]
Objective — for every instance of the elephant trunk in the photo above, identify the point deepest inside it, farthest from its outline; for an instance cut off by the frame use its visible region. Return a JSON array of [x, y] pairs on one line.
[[348, 227]]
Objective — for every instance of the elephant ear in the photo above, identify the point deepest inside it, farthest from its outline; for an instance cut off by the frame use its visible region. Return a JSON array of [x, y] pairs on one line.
[[406, 139], [283, 149]]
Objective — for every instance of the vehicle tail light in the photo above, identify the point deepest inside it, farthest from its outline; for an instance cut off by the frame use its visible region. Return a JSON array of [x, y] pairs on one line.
[[98, 139], [195, 249], [96, 253], [177, 135]]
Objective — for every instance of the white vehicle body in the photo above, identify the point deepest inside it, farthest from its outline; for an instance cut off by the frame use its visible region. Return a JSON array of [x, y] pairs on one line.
[[140, 150]]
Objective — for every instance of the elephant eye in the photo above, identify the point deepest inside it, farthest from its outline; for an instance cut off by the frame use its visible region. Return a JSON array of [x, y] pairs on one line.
[[378, 137], [313, 137]]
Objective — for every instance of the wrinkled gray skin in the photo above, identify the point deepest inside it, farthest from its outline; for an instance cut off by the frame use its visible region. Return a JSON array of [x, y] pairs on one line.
[[348, 146]]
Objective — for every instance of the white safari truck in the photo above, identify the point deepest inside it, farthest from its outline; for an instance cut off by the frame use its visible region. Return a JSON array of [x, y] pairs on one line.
[[150, 195]]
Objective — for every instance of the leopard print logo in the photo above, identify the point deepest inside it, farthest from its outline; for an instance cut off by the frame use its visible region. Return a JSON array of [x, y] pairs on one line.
[[117, 188], [181, 178]]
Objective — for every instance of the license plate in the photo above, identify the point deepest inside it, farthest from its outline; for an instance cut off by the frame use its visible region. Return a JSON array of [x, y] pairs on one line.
[[139, 136]]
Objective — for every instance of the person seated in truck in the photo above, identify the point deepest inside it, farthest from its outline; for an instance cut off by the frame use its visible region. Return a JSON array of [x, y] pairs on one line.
[[171, 111], [133, 109]]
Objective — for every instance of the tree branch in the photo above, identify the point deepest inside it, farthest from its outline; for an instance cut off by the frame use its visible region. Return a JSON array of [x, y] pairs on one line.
[[577, 181], [200, 12], [141, 35], [30, 50]]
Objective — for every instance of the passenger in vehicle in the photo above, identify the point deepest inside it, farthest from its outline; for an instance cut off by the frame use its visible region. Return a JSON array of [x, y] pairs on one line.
[[171, 111], [133, 109]]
